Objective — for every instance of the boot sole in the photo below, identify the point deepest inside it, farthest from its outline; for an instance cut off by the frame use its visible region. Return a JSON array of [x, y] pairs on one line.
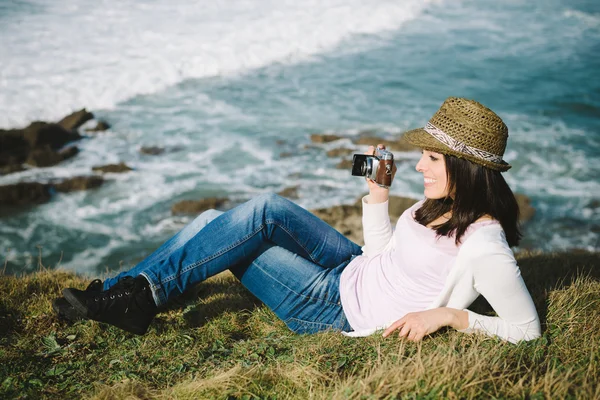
[[70, 316], [74, 301]]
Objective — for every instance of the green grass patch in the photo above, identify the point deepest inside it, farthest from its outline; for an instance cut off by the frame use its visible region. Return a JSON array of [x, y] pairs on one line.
[[219, 342]]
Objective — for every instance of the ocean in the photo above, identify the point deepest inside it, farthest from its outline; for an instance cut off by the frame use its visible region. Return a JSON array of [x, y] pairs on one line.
[[232, 90]]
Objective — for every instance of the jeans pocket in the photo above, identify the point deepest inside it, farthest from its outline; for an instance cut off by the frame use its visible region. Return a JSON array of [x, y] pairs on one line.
[[301, 326]]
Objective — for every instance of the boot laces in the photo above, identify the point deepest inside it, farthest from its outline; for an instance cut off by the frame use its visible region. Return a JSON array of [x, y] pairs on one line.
[[127, 287]]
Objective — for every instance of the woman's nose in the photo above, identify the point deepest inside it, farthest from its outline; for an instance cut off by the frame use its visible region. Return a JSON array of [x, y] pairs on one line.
[[419, 166]]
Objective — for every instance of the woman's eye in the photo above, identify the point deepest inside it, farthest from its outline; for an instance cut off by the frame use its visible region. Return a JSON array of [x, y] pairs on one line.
[[432, 158]]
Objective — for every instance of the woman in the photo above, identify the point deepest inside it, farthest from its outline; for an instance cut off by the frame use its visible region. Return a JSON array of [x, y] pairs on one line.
[[444, 252]]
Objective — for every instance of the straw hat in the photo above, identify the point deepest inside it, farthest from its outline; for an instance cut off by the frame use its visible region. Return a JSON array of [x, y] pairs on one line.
[[465, 129]]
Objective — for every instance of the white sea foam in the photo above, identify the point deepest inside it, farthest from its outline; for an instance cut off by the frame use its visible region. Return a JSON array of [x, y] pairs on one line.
[[96, 54], [590, 20]]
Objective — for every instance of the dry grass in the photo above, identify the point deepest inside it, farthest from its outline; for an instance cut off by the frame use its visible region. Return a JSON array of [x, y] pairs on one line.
[[219, 342]]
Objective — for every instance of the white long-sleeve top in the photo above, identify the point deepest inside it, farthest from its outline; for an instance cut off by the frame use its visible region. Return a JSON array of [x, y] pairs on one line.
[[485, 265]]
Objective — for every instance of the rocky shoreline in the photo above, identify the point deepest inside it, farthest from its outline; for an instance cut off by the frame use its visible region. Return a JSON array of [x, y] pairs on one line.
[[44, 144]]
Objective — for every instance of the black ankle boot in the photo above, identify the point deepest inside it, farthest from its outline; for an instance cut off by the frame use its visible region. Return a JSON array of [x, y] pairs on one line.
[[127, 305], [66, 311]]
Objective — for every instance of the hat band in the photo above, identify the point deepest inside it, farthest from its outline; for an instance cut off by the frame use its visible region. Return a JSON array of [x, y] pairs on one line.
[[459, 146]]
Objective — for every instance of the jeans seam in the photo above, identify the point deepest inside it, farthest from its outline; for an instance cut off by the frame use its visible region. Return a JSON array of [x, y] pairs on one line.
[[213, 256], [311, 323], [278, 224], [293, 291]]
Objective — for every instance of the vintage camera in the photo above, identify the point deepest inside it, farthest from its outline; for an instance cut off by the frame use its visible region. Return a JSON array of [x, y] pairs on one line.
[[378, 167]]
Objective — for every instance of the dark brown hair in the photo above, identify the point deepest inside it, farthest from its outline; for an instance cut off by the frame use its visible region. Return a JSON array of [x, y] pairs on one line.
[[477, 191]]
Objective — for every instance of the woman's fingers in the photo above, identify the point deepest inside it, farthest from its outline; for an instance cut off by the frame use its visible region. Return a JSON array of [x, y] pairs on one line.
[[405, 330], [393, 327]]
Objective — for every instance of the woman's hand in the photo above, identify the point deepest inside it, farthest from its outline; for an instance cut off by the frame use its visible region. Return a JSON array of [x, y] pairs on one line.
[[377, 194], [415, 326]]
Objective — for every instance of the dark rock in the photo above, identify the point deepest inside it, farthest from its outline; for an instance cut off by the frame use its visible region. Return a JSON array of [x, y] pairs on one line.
[[286, 154], [346, 219], [40, 134], [152, 150], [78, 183], [392, 145], [69, 152], [75, 120], [197, 206], [24, 193], [324, 138], [344, 164], [526, 210], [100, 126], [341, 152], [37, 143], [290, 192], [367, 132], [9, 169], [46, 157], [398, 205], [310, 146], [593, 204], [13, 147], [43, 157], [113, 168]]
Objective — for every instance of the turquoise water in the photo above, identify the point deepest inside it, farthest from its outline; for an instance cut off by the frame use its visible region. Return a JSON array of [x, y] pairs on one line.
[[228, 90]]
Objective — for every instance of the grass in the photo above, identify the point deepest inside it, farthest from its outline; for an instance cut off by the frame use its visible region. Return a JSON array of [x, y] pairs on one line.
[[219, 342]]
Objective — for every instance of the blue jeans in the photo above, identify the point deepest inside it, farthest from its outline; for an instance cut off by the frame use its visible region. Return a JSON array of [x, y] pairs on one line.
[[287, 257]]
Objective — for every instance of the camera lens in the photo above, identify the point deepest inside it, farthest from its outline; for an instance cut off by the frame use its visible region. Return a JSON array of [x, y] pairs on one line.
[[367, 167]]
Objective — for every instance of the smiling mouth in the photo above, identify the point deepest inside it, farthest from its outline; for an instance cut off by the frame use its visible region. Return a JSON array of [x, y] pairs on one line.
[[429, 181]]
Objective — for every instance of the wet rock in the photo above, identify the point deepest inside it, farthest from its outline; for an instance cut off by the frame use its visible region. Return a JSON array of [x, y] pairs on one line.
[[27, 193], [398, 205], [344, 164], [46, 156], [78, 183], [100, 126], [526, 210], [593, 204], [9, 169], [40, 134], [390, 144], [156, 150], [38, 143], [197, 206], [152, 150], [73, 121], [324, 138], [24, 193], [113, 168], [290, 192], [341, 152], [347, 219], [13, 147]]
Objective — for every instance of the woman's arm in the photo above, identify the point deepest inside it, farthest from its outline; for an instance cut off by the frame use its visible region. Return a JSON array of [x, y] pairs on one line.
[[377, 229], [415, 326], [497, 277]]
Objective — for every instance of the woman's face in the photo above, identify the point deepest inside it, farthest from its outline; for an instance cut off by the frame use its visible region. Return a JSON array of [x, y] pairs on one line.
[[433, 167]]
